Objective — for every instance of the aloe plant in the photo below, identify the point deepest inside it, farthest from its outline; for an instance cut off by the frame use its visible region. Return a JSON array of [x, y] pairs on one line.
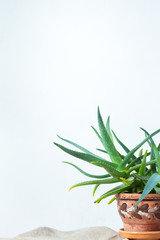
[[136, 173]]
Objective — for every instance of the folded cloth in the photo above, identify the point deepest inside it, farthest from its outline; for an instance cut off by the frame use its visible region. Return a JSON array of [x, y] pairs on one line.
[[92, 233]]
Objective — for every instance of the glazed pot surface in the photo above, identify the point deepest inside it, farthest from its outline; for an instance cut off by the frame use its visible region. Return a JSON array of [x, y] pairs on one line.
[[147, 215]]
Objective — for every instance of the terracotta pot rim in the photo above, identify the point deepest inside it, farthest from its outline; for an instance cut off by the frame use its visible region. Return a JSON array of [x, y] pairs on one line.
[[136, 196]]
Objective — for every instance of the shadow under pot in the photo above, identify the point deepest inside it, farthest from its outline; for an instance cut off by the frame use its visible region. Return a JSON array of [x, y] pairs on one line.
[[147, 215]]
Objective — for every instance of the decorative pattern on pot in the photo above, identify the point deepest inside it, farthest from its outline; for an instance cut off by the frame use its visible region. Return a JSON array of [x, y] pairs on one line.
[[147, 215], [142, 211]]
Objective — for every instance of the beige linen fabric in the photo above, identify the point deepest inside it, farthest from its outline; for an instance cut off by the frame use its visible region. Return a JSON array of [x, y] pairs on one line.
[[92, 233]]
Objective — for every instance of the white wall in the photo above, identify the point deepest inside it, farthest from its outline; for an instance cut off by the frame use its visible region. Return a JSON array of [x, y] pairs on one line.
[[59, 61]]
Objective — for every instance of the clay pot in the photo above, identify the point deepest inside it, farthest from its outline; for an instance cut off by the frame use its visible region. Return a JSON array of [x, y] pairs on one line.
[[147, 215]]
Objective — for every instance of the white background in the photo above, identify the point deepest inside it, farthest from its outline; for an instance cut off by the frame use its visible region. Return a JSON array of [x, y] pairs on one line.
[[59, 61]]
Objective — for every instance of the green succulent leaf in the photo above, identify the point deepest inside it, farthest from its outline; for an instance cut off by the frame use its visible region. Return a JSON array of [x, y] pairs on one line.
[[127, 181], [113, 191], [108, 128], [136, 161], [122, 145], [112, 200], [87, 157], [87, 174], [152, 182], [157, 156], [154, 149], [107, 142], [143, 165], [98, 135], [152, 156], [112, 170], [140, 153], [149, 141], [130, 154], [139, 165], [143, 178], [76, 145], [105, 181], [101, 150], [95, 188]]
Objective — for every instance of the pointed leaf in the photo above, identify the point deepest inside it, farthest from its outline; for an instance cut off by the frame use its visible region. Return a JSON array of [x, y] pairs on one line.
[[143, 165], [105, 181], [143, 178], [152, 156], [101, 150], [153, 150], [112, 200], [130, 154], [87, 157], [152, 182], [95, 188], [149, 141], [113, 191], [87, 174], [127, 181], [122, 145], [108, 128], [107, 142], [140, 153], [112, 171], [136, 161], [96, 132], [76, 145], [139, 165], [157, 157]]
